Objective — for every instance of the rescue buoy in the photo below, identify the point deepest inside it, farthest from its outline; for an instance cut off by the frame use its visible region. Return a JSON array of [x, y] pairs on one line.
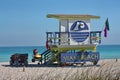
[[47, 45]]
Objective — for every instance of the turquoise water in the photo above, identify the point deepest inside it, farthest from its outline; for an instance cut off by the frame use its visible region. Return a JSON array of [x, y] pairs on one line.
[[106, 51], [6, 52], [109, 51]]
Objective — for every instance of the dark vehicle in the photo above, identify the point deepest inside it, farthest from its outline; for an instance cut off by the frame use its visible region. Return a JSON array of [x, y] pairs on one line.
[[19, 59]]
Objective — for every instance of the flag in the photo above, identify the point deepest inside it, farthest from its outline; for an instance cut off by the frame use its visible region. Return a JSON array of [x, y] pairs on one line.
[[107, 24], [106, 28], [105, 32]]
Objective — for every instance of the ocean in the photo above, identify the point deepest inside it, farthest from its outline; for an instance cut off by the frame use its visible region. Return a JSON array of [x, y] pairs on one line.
[[106, 51]]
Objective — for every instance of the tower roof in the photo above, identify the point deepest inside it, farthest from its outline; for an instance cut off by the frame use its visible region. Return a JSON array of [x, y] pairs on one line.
[[72, 16]]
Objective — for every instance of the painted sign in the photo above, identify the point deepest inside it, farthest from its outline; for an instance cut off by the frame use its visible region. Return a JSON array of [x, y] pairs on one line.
[[79, 57], [79, 31], [79, 26]]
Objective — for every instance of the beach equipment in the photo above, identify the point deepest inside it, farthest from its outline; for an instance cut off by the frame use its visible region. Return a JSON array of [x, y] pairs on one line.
[[36, 57], [19, 59], [40, 57], [74, 43]]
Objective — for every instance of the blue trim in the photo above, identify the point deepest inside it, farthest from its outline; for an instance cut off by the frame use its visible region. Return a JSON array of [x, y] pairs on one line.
[[76, 36], [80, 39], [79, 36]]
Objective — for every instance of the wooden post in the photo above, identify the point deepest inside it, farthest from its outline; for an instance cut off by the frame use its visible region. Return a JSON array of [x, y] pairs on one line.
[[116, 59], [24, 68]]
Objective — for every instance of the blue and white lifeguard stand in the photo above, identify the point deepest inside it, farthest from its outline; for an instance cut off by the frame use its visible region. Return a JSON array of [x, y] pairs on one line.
[[75, 42], [74, 35], [74, 32]]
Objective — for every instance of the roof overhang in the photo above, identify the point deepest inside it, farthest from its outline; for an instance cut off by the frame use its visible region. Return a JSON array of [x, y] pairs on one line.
[[72, 16]]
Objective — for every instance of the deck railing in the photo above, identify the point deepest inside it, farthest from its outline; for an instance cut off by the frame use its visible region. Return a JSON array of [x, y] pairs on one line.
[[57, 39]]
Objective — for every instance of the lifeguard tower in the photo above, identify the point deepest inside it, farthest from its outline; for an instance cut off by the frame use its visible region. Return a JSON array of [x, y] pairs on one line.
[[75, 42]]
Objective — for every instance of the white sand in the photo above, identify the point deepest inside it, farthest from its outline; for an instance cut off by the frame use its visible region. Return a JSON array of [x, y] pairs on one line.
[[108, 67]]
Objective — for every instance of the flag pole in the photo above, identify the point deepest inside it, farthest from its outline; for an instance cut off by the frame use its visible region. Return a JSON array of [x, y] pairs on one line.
[[103, 28]]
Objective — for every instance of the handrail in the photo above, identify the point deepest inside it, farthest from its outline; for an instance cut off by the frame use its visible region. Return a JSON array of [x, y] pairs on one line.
[[44, 55], [56, 37], [45, 52]]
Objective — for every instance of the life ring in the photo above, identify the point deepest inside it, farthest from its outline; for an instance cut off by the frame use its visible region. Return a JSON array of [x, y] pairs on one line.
[[47, 45]]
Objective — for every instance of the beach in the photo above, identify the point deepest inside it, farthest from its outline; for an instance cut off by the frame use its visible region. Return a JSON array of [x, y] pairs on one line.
[[105, 69]]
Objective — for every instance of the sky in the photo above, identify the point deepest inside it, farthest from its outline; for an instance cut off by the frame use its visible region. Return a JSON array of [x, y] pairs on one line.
[[24, 22]]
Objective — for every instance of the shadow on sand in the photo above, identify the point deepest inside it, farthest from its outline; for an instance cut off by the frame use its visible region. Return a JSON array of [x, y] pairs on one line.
[[55, 65]]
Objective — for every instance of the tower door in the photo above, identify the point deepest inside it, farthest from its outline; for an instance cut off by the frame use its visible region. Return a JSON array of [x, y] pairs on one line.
[[64, 39]]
